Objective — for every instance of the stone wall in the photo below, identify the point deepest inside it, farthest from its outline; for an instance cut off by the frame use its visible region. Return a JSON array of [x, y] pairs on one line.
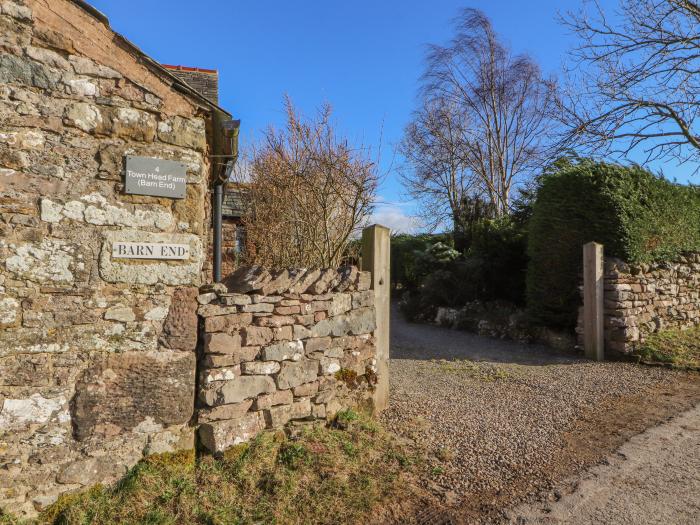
[[97, 356], [293, 345], [643, 299]]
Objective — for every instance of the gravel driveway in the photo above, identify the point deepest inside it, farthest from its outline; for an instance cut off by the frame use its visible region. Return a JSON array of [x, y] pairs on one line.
[[506, 422]]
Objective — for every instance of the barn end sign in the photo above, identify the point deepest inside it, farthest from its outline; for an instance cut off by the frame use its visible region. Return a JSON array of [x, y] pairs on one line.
[[150, 250], [155, 177]]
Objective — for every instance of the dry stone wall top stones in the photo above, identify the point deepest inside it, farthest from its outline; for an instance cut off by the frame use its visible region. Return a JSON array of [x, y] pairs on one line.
[[280, 347], [97, 355]]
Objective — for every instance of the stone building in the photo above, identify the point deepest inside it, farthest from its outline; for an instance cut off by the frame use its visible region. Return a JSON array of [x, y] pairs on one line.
[[97, 350]]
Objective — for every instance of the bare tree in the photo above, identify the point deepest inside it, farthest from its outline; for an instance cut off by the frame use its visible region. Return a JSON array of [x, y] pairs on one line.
[[636, 80], [309, 191], [501, 111], [436, 172]]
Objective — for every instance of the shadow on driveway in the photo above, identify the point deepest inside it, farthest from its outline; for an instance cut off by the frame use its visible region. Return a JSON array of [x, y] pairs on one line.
[[425, 342]]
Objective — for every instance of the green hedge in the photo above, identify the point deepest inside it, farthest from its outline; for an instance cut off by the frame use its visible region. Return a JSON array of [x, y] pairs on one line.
[[638, 216]]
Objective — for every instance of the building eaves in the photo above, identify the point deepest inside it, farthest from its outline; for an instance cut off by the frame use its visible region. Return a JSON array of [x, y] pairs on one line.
[[153, 65]]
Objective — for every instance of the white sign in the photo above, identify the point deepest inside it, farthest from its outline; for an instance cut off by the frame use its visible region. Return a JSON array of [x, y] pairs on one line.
[[150, 250]]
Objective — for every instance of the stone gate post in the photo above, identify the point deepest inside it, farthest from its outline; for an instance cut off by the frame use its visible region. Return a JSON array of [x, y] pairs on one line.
[[375, 259]]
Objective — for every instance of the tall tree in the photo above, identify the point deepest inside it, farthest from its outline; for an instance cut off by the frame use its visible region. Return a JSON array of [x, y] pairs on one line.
[[636, 79], [437, 173], [500, 113]]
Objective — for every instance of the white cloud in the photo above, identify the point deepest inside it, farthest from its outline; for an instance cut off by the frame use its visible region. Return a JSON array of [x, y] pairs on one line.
[[393, 216]]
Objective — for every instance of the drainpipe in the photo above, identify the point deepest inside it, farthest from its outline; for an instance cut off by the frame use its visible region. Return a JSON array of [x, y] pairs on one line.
[[230, 129], [218, 201]]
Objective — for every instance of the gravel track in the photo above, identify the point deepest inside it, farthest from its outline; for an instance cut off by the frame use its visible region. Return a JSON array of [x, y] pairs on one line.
[[496, 416]]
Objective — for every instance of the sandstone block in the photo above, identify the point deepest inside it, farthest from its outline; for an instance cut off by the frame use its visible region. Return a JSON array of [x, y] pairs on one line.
[[326, 280], [347, 277], [306, 390], [232, 411], [221, 343], [363, 299], [257, 298], [123, 314], [260, 367], [283, 333], [275, 321], [85, 66], [287, 310], [279, 283], [186, 132], [206, 298], [318, 344], [212, 310], [180, 327], [118, 392], [218, 436], [212, 375], [296, 373], [305, 281], [278, 397], [258, 308], [256, 335], [247, 279], [325, 396], [289, 350], [227, 323], [364, 281], [240, 389], [318, 411], [235, 299], [90, 471], [300, 332], [277, 417], [328, 365], [324, 328], [341, 303]]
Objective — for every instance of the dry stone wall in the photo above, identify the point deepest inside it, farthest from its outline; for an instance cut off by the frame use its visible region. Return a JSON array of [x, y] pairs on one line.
[[292, 345], [97, 355], [643, 299]]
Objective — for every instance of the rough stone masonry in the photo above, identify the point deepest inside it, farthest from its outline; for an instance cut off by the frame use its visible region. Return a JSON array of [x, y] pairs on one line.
[[292, 345], [640, 299], [97, 354]]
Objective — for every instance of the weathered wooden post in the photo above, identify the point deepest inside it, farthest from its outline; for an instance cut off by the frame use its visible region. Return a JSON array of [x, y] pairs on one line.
[[593, 290], [375, 259]]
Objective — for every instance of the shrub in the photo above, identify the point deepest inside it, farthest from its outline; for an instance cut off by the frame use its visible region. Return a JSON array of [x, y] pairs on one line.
[[404, 251], [498, 259], [638, 216]]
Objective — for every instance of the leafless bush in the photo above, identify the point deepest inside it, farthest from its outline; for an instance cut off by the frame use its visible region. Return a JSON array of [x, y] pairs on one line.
[[309, 192]]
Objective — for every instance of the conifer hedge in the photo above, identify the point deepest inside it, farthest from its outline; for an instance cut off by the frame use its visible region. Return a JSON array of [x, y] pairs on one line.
[[638, 216]]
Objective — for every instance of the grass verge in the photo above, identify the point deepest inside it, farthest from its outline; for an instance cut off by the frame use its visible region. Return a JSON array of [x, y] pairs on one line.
[[337, 474], [679, 348]]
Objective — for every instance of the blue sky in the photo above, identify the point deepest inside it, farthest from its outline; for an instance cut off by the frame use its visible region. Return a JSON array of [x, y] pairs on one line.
[[364, 57]]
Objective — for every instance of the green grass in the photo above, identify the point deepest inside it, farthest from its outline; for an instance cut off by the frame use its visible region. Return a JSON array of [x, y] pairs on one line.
[[335, 474], [680, 348], [481, 371]]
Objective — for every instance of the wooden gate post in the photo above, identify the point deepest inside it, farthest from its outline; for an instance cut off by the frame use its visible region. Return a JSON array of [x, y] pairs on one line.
[[375, 259], [593, 290]]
